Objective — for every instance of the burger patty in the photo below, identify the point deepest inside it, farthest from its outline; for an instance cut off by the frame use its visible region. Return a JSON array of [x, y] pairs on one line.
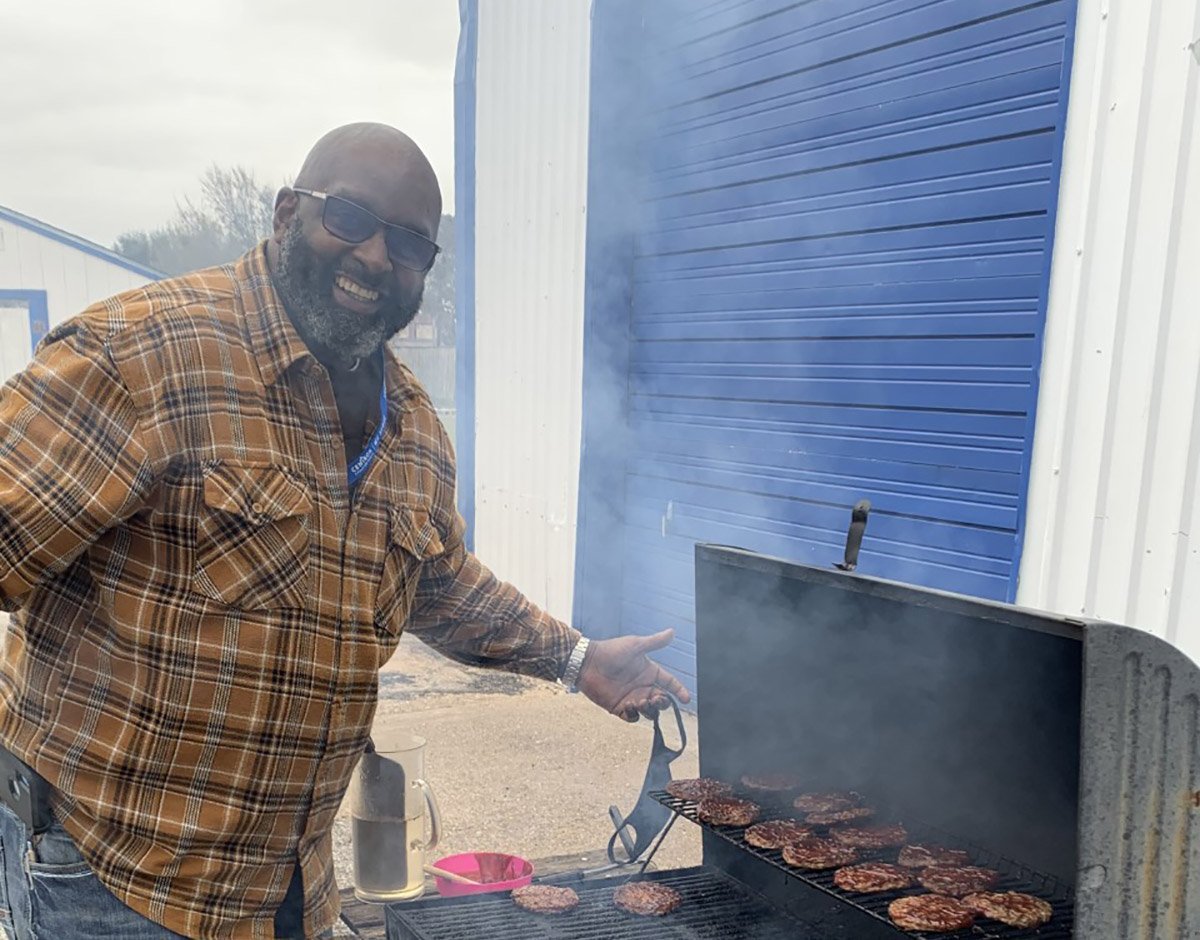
[[833, 817], [873, 876], [870, 837], [647, 898], [776, 833], [818, 854], [825, 802], [545, 899], [932, 856], [957, 880], [1011, 908], [771, 783], [930, 912], [697, 788], [727, 811]]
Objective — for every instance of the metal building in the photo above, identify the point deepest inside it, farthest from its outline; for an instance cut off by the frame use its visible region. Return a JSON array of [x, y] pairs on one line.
[[733, 270], [47, 276]]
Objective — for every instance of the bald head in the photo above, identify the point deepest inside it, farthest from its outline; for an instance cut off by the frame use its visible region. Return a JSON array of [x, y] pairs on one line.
[[376, 157]]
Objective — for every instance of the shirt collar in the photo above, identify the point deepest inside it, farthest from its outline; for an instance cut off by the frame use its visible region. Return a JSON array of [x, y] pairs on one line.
[[273, 338]]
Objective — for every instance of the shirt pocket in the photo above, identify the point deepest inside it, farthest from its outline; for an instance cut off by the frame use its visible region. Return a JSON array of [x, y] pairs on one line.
[[412, 541], [252, 537]]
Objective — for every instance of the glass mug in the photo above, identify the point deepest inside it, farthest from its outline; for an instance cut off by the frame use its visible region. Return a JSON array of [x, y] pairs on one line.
[[389, 804]]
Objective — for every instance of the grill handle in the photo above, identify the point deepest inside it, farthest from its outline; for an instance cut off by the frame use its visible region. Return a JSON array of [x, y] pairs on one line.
[[858, 525]]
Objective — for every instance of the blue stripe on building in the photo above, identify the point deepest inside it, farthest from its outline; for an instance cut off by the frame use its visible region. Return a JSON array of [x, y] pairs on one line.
[[464, 272]]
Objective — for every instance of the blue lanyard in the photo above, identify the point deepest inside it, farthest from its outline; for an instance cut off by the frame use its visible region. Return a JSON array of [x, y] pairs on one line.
[[363, 462]]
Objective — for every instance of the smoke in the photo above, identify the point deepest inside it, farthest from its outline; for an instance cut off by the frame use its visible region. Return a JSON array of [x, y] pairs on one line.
[[677, 432], [775, 297], [939, 710]]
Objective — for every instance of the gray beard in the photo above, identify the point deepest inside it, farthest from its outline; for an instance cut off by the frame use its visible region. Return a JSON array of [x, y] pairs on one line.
[[333, 333]]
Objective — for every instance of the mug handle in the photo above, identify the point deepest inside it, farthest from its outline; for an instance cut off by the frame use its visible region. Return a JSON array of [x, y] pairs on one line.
[[435, 817]]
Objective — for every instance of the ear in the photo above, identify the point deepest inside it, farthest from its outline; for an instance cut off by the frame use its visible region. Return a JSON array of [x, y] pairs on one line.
[[286, 202]]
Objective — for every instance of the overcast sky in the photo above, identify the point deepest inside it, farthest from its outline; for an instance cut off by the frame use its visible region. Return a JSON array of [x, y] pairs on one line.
[[110, 111]]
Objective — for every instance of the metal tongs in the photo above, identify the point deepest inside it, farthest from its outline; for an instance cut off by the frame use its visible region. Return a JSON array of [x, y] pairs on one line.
[[649, 818], [648, 823]]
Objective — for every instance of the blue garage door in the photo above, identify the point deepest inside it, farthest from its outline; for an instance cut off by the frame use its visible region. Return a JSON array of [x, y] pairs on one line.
[[836, 290]]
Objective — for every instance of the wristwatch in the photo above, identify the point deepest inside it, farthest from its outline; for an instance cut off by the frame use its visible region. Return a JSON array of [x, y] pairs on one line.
[[570, 678]]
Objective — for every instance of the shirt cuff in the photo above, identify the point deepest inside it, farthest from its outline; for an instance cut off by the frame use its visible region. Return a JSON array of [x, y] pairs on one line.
[[562, 656]]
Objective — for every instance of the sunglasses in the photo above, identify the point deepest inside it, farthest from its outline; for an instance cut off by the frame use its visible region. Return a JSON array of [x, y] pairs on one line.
[[352, 223]]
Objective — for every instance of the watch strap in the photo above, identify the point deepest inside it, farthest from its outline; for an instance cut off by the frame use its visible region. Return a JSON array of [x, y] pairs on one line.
[[574, 665]]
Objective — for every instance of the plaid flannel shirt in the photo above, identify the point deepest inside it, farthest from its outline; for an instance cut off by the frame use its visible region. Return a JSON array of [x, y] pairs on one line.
[[201, 608]]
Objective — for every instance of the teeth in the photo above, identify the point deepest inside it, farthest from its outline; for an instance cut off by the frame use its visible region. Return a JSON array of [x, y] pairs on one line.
[[354, 290]]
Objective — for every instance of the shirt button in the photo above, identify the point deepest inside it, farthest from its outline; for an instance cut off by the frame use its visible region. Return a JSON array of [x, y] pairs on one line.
[[258, 509]]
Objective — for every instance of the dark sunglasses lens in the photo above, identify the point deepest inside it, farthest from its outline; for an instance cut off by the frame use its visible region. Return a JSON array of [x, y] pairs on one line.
[[410, 250], [347, 221]]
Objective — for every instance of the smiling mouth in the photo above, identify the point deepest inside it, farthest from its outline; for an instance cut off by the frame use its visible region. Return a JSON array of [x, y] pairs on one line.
[[356, 290]]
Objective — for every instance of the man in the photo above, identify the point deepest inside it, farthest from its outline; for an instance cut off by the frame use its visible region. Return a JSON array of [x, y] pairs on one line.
[[222, 500]]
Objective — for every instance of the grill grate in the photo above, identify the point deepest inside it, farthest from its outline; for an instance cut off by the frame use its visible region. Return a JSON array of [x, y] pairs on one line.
[[1015, 877], [715, 907]]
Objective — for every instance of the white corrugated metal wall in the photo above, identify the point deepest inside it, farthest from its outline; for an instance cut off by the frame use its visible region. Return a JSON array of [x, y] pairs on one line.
[[1113, 529], [531, 179], [71, 278]]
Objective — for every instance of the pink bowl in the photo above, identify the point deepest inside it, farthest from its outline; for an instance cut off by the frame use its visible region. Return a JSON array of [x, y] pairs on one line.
[[494, 871]]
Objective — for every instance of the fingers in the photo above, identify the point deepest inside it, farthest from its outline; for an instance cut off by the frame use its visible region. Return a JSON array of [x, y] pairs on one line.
[[656, 641], [667, 681], [647, 706]]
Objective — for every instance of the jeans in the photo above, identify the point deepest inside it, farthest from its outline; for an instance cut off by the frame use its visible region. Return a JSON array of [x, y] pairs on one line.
[[48, 892]]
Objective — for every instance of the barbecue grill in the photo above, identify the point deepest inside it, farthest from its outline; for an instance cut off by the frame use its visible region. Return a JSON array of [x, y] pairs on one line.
[[1060, 752]]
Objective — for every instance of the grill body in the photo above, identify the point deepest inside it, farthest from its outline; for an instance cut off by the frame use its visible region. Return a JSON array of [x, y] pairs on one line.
[[1061, 752], [1065, 745]]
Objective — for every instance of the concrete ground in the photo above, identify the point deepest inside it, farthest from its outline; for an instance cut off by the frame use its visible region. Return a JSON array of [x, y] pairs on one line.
[[519, 765]]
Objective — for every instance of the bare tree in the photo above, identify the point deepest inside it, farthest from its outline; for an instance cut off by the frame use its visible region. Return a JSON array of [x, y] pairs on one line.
[[240, 206], [233, 214]]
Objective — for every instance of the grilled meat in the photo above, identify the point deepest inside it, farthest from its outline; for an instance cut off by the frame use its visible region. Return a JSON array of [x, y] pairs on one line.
[[931, 856], [869, 837], [957, 880], [545, 899], [818, 854], [647, 898], [930, 912], [826, 802], [1011, 908], [697, 788], [776, 833], [833, 817], [871, 877], [727, 811]]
